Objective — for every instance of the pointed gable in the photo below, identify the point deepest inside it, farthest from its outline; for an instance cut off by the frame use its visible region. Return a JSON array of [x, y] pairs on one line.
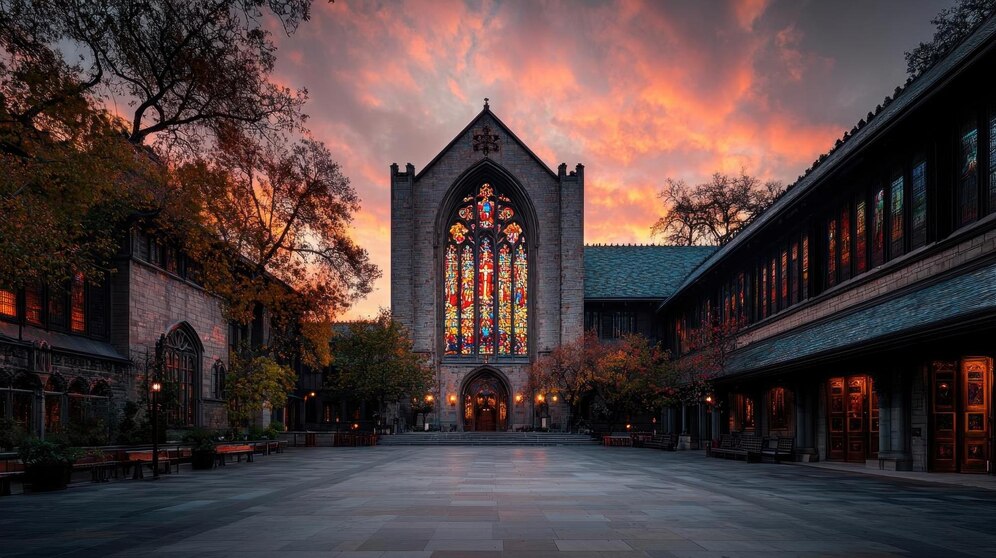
[[463, 145]]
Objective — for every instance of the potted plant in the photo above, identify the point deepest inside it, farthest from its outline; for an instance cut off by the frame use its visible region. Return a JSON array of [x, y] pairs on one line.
[[202, 449], [47, 465]]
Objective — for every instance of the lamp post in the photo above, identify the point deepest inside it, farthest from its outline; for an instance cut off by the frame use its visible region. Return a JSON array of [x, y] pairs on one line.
[[156, 388]]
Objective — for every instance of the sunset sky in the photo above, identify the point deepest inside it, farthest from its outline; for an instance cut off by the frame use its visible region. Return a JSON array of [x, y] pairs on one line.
[[636, 91]]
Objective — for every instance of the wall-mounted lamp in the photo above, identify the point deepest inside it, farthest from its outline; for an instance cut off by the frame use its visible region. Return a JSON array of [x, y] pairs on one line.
[[540, 397], [518, 398], [429, 398], [453, 399], [554, 398]]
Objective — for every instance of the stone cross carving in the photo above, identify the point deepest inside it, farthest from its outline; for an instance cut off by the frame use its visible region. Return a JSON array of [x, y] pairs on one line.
[[485, 141]]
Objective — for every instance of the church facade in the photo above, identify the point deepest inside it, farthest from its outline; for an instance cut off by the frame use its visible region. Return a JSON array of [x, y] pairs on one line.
[[487, 270]]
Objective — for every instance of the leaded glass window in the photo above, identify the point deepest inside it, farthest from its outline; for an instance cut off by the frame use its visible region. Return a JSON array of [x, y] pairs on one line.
[[805, 266], [968, 188], [992, 161], [845, 242], [878, 228], [860, 236], [831, 252], [8, 303], [181, 365], [918, 184], [486, 277], [896, 217]]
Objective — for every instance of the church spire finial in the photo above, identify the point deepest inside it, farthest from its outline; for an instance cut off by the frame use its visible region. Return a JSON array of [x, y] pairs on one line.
[[486, 105]]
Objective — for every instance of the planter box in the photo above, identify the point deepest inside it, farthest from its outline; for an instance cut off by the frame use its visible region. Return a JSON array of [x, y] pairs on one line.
[[48, 476], [202, 460]]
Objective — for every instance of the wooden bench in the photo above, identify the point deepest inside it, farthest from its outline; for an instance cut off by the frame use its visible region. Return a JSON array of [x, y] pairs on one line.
[[618, 439], [101, 468], [139, 459], [750, 448], [6, 479], [661, 441], [725, 447], [223, 451], [777, 449]]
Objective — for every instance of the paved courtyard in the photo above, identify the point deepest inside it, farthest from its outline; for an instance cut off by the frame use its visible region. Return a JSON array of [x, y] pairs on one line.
[[491, 501]]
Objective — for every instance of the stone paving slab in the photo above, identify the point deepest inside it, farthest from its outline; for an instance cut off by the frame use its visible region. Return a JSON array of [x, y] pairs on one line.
[[439, 502]]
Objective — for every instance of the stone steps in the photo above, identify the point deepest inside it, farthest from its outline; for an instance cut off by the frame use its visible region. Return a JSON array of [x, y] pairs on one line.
[[486, 439]]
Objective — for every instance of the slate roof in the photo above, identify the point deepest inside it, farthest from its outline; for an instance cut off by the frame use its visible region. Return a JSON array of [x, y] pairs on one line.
[[919, 89], [638, 272], [958, 299], [62, 341]]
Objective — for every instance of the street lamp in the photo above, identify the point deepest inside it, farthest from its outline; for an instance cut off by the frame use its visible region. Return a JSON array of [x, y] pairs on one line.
[[156, 388]]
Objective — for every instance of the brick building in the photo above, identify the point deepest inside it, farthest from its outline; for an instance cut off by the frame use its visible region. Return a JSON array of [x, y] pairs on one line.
[[864, 299], [862, 304], [73, 356]]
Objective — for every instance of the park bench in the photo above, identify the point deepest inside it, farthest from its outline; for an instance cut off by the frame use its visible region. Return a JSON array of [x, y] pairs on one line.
[[101, 467], [777, 449], [661, 441], [236, 450], [725, 447], [617, 439], [749, 449], [139, 459], [6, 479]]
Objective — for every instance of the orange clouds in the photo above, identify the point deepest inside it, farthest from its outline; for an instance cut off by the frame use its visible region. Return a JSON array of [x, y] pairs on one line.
[[637, 91]]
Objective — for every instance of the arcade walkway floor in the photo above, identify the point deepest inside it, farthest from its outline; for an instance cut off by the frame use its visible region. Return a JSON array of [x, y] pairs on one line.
[[488, 501]]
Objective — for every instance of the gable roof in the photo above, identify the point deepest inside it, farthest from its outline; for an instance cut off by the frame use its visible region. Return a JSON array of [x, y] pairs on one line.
[[486, 111], [918, 91], [638, 272]]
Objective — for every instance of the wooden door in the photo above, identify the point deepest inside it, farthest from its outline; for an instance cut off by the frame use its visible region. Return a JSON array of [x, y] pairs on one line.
[[486, 420], [975, 379], [852, 413], [943, 434], [857, 417]]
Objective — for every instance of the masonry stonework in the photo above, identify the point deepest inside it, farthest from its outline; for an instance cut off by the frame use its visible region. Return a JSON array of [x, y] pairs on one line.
[[419, 207]]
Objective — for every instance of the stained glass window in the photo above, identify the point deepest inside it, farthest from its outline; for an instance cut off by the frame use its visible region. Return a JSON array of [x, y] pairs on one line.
[[860, 236], [486, 278], [77, 310], [968, 188], [784, 283], [992, 161], [805, 266], [896, 215], [918, 190], [878, 228], [831, 252], [845, 243], [794, 266]]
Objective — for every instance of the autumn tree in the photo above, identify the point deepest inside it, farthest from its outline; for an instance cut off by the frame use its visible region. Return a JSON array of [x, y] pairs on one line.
[[569, 371], [712, 213], [951, 26], [170, 71], [374, 360], [165, 113], [255, 381]]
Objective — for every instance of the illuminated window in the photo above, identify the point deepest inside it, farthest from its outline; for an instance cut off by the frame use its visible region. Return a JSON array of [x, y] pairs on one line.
[[794, 266], [860, 236], [764, 291], [181, 366], [896, 247], [8, 303], [77, 309], [918, 190], [844, 246], [805, 266], [773, 292], [486, 277], [33, 304], [831, 260], [777, 414], [968, 187], [992, 161], [878, 227], [742, 413], [784, 279]]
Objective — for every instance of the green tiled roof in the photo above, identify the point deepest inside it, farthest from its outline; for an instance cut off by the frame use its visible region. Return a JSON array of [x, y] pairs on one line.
[[647, 272], [959, 298]]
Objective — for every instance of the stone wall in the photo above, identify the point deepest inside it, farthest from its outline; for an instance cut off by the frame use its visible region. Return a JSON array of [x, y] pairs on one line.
[[158, 302]]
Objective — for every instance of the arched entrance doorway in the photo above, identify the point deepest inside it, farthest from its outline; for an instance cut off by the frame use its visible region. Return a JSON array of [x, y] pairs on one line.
[[485, 403]]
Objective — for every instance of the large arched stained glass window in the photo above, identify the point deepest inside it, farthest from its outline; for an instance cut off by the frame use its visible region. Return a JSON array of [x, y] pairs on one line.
[[486, 269]]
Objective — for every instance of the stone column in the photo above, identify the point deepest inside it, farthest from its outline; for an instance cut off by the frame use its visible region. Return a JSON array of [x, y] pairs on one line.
[[806, 409], [894, 425]]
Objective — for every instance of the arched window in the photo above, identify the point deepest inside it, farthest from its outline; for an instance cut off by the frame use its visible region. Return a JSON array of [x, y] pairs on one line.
[[218, 380], [181, 365], [486, 277]]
